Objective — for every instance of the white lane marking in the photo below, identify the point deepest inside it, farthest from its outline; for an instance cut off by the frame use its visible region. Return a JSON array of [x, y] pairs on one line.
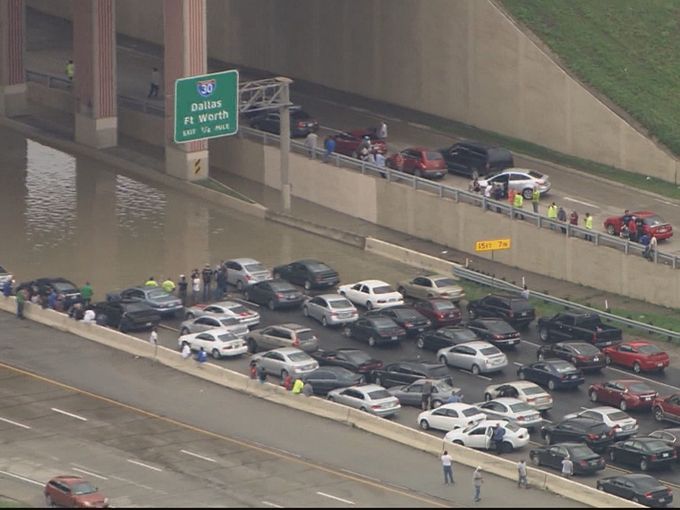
[[645, 378], [144, 465], [22, 478], [582, 202], [517, 363], [347, 501], [286, 452], [17, 424], [331, 129], [170, 328], [66, 413], [90, 473], [484, 377], [198, 456], [273, 505], [358, 109], [359, 474], [547, 420], [419, 126], [530, 343], [667, 203], [140, 485]]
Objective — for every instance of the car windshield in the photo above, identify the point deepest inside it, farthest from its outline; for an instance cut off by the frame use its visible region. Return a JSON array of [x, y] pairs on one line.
[[433, 156], [533, 390], [511, 427], [520, 305], [499, 327], [383, 323], [299, 356], [226, 337], [489, 351], [255, 268], [306, 335], [318, 267], [618, 416], [383, 289], [536, 175], [445, 282], [563, 367], [463, 335], [471, 411], [443, 304], [654, 221], [238, 309], [158, 294], [640, 388], [357, 357], [282, 287], [649, 349], [580, 452], [339, 303], [379, 394], [520, 407], [585, 349], [82, 488], [63, 287]]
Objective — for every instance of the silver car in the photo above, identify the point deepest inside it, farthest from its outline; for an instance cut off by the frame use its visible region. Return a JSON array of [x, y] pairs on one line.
[[370, 398], [431, 286], [244, 272], [284, 361], [226, 308], [282, 335], [512, 410], [477, 357], [519, 179], [330, 309], [214, 321]]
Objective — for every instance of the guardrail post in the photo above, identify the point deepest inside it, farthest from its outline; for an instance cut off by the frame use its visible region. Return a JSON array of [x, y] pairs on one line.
[[456, 196], [484, 203], [597, 239], [626, 247], [415, 182], [539, 221], [675, 262], [440, 190], [363, 167]]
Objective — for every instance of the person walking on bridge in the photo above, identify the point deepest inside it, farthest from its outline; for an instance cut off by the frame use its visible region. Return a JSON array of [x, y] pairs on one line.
[[70, 70], [154, 85], [477, 481], [447, 466], [310, 143]]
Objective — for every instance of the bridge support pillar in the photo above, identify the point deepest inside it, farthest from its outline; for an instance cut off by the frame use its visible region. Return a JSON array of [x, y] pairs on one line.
[[12, 73]]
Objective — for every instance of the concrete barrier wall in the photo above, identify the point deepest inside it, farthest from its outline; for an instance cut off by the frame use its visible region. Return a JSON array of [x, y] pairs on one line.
[[148, 128], [61, 100]]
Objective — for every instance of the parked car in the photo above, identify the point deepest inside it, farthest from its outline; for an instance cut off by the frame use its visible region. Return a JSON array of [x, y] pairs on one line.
[[669, 436], [371, 294], [647, 222], [370, 398], [513, 410], [441, 312], [447, 336], [472, 159], [218, 342], [638, 355], [581, 355], [622, 424], [526, 391], [406, 372], [355, 360], [643, 452], [375, 330], [585, 460], [5, 276], [624, 393], [44, 286], [274, 293], [208, 322], [495, 331], [410, 319], [477, 357], [330, 309], [578, 326], [164, 303], [282, 335], [310, 273], [244, 315], [419, 161], [479, 436], [514, 310], [638, 488], [667, 408], [450, 416], [243, 272], [72, 491], [348, 142], [301, 123], [519, 179], [325, 379], [412, 394], [284, 361], [591, 432], [126, 315], [552, 373], [432, 286]]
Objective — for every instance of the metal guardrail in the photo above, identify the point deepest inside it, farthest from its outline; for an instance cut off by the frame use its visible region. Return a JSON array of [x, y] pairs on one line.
[[496, 283], [417, 183]]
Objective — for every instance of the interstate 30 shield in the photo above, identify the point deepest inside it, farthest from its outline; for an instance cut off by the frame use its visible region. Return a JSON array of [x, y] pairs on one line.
[[206, 87]]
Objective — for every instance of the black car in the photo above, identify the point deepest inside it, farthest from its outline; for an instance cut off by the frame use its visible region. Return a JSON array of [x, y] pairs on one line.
[[406, 372], [642, 489], [325, 379], [586, 461], [406, 316], [355, 360], [375, 330], [587, 357], [473, 158], [301, 123], [671, 437], [445, 337], [642, 452], [126, 315], [495, 331], [312, 274], [593, 433], [514, 310], [43, 286], [552, 373], [274, 293]]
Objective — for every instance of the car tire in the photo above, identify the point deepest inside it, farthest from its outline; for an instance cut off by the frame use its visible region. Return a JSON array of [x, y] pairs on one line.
[[418, 173], [216, 354], [331, 398], [599, 486], [347, 332], [535, 459], [658, 414], [308, 285], [475, 369], [271, 305], [324, 321], [635, 500], [544, 334], [551, 385], [122, 328], [644, 464], [593, 396], [284, 374], [371, 341], [487, 397], [527, 193], [363, 409], [420, 343], [185, 331], [547, 438], [607, 360], [252, 345], [305, 311], [506, 447], [623, 405], [424, 424], [637, 368], [369, 306], [610, 230], [443, 360]]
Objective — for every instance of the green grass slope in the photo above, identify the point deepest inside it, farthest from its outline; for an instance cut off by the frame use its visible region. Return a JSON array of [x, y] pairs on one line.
[[627, 49]]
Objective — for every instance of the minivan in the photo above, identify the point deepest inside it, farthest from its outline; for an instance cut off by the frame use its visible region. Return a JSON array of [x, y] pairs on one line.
[[476, 159]]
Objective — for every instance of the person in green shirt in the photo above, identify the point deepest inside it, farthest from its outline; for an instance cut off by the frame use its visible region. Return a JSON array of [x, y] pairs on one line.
[[297, 386], [86, 293], [518, 203], [21, 299], [168, 285], [535, 197], [151, 282], [588, 221]]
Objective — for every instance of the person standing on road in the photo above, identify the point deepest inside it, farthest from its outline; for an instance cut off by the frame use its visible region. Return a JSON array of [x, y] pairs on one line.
[[447, 466], [426, 396], [221, 280], [329, 145], [588, 222], [633, 229], [477, 481], [182, 285], [195, 288], [310, 143], [154, 85], [381, 132], [522, 474], [52, 299], [562, 217], [153, 340], [186, 351], [70, 70], [21, 299], [650, 251], [535, 199], [573, 218], [86, 293], [151, 282], [207, 275], [201, 357], [168, 285], [518, 203], [261, 374], [497, 437], [287, 382], [525, 292], [308, 389], [567, 467], [552, 214]]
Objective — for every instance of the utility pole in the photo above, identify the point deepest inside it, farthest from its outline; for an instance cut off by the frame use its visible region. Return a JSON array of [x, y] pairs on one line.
[[284, 115]]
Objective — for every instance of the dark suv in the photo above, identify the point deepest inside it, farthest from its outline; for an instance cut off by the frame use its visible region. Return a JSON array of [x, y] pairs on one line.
[[406, 316], [514, 310], [126, 315], [476, 159]]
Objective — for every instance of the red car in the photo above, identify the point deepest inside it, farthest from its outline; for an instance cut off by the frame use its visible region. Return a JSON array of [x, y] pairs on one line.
[[419, 161], [647, 222], [623, 393], [638, 355], [73, 492], [667, 408], [441, 312], [347, 143]]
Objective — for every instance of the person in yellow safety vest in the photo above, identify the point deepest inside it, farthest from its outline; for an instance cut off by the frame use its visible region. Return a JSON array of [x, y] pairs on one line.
[[151, 282], [70, 69], [552, 213], [588, 221], [535, 197], [168, 285], [518, 201], [297, 386]]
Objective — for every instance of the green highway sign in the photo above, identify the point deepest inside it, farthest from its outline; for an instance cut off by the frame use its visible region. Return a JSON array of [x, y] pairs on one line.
[[206, 106]]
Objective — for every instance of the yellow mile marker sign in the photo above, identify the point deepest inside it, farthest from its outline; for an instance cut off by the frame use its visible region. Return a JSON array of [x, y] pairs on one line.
[[494, 244]]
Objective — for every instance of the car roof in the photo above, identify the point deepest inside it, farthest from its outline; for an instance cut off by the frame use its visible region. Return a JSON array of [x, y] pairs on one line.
[[507, 400], [216, 331], [69, 478], [626, 382], [293, 326], [367, 387], [370, 283], [283, 350], [520, 384], [309, 261], [476, 344], [476, 144], [223, 304], [603, 409], [244, 261], [329, 297], [457, 406]]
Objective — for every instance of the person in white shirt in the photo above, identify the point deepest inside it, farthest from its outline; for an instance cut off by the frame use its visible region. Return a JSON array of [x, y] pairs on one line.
[[89, 316], [186, 351], [567, 467], [195, 288], [447, 465], [382, 130]]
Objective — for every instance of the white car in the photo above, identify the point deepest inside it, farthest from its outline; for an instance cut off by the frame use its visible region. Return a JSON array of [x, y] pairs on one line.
[[244, 272], [370, 398], [513, 410], [208, 322], [478, 357], [519, 179], [479, 436], [450, 416], [244, 315], [372, 294], [526, 391], [623, 424], [219, 343]]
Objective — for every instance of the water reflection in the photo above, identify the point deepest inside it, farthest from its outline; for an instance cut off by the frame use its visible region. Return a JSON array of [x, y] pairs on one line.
[[139, 207]]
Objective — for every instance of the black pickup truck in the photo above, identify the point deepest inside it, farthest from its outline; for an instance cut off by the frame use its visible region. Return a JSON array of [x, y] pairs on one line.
[[577, 326]]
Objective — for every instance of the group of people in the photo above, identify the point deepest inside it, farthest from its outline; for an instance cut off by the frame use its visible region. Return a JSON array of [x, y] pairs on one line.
[[632, 229], [295, 385], [477, 477], [199, 280], [52, 299], [365, 151]]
